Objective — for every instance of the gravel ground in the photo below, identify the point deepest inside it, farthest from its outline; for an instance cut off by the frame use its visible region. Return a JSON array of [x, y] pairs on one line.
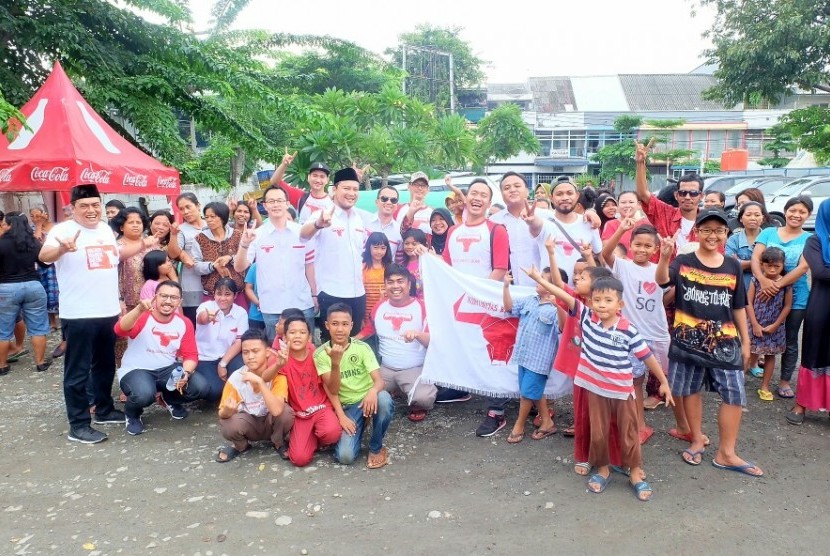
[[445, 491]]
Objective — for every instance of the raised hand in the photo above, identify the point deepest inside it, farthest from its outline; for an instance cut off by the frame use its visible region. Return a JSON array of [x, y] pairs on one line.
[[232, 204], [586, 250], [550, 245], [528, 213], [335, 352], [254, 380], [150, 242], [145, 305], [288, 158], [248, 236], [174, 229], [627, 224], [532, 273], [667, 245], [641, 151], [324, 221], [69, 245], [360, 171], [508, 278]]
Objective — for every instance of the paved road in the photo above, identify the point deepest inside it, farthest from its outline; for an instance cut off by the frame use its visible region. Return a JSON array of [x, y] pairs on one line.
[[445, 491]]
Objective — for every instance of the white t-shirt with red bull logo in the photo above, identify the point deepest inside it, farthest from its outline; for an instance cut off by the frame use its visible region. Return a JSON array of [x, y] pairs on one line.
[[470, 249], [391, 323], [214, 338], [153, 344]]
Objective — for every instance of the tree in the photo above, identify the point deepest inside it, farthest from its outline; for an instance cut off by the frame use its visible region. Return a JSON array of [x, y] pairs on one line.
[[346, 69], [810, 128], [668, 156], [502, 134], [764, 47], [160, 77], [428, 72], [782, 141], [10, 118], [617, 159]]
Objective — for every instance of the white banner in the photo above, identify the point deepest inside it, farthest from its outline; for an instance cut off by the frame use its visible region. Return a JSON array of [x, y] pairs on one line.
[[471, 337]]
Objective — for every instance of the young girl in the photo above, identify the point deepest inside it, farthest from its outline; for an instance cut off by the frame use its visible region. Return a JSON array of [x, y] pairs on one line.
[[766, 318], [377, 255], [412, 238], [220, 324], [156, 268]]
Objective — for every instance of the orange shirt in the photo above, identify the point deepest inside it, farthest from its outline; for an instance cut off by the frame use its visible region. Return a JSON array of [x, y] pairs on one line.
[[373, 283]]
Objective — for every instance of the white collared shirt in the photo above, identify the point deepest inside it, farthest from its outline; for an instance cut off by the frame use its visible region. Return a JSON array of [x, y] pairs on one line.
[[338, 261], [214, 339], [281, 257], [391, 230]]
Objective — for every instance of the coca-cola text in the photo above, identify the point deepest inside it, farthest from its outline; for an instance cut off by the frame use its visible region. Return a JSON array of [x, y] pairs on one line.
[[6, 175], [58, 174], [135, 180], [88, 175], [166, 183]]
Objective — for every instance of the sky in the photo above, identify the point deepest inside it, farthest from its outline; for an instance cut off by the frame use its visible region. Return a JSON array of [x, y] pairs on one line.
[[518, 39]]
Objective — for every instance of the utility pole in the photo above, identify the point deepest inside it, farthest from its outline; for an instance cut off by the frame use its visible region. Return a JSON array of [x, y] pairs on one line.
[[405, 47]]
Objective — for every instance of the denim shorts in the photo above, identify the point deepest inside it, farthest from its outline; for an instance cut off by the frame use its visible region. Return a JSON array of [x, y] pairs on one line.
[[28, 299], [531, 385], [686, 379]]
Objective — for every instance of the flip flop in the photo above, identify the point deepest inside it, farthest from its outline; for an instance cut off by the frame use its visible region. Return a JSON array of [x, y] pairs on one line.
[[417, 415], [230, 453], [785, 392], [582, 465], [569, 432], [22, 352], [692, 459], [379, 463], [621, 470], [515, 438], [757, 372], [537, 421], [601, 481], [640, 488], [765, 395], [740, 468], [687, 437], [539, 434], [645, 434], [649, 405]]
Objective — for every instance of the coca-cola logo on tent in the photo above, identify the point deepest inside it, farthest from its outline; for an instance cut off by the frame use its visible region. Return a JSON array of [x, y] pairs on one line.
[[135, 180], [6, 175], [58, 174], [166, 183], [88, 175]]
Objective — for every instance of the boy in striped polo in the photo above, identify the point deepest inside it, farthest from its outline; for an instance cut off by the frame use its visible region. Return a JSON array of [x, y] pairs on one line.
[[605, 371]]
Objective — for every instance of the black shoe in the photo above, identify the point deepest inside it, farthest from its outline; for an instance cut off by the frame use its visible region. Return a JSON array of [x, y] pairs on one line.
[[492, 424], [135, 426], [86, 435], [43, 366], [114, 417], [451, 395], [177, 411]]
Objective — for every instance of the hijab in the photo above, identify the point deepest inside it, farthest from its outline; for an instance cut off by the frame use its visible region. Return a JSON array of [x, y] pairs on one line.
[[823, 231], [440, 241]]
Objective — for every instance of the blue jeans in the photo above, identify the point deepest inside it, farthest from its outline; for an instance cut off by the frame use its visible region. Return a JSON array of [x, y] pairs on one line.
[[348, 447], [141, 385], [271, 320], [209, 372], [27, 299]]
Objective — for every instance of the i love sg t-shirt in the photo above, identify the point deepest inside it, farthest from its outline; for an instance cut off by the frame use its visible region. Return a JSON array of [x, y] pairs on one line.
[[704, 332]]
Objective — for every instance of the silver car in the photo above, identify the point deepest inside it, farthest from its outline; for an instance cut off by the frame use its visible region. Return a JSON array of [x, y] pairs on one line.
[[815, 187]]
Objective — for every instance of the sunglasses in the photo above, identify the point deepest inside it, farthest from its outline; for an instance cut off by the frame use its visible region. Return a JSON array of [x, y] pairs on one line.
[[686, 193], [385, 199]]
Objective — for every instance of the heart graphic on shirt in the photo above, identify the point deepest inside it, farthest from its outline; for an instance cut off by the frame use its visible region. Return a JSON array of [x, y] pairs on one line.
[[650, 287], [567, 248]]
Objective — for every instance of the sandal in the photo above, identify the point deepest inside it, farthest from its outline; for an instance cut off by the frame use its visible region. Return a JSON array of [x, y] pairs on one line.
[[5, 370], [582, 468], [378, 463], [13, 358], [687, 437], [641, 488], [757, 372], [539, 434], [765, 395], [598, 479], [652, 402], [417, 415], [515, 438], [43, 366], [230, 453], [695, 458], [785, 392], [537, 421], [569, 432]]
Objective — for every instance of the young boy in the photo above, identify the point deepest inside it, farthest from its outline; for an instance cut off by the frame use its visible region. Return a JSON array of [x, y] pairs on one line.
[[606, 374], [643, 300], [536, 342], [252, 408], [709, 337], [315, 422], [351, 375]]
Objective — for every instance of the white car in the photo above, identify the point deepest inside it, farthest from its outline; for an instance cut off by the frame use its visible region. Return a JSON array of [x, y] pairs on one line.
[[815, 187]]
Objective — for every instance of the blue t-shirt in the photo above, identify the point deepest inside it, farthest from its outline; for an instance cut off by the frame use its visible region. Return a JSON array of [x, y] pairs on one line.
[[792, 254], [253, 310]]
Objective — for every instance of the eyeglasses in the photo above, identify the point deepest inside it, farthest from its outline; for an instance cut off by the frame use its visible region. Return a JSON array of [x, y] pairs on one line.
[[271, 202], [706, 232], [169, 296], [687, 193], [418, 184], [385, 199]]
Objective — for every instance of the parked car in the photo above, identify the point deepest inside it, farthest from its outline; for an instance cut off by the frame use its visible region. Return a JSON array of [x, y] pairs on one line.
[[438, 192], [816, 187], [766, 184], [721, 182]]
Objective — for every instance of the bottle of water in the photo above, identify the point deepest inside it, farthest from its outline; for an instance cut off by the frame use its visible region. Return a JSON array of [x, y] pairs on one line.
[[175, 377]]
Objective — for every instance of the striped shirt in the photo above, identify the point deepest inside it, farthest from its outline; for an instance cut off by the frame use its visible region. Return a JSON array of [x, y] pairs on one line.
[[604, 367]]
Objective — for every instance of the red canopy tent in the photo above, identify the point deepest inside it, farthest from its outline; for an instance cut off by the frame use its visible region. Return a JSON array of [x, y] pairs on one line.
[[69, 144]]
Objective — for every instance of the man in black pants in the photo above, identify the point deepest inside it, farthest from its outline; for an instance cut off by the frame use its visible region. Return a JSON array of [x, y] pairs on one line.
[[86, 258]]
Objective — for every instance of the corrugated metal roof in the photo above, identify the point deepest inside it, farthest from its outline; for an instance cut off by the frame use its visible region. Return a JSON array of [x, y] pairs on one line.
[[507, 89], [668, 92], [552, 94]]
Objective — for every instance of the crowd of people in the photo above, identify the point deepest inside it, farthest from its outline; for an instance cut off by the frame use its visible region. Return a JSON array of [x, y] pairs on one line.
[[642, 302]]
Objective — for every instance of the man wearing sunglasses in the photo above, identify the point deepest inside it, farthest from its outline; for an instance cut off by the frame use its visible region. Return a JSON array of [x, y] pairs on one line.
[[383, 220], [666, 218]]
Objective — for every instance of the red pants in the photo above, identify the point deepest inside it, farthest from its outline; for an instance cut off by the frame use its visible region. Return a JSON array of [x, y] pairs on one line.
[[321, 427], [582, 430]]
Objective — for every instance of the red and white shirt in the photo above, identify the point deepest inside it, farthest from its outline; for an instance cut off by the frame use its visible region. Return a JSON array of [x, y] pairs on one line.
[[468, 249], [153, 344], [338, 259], [281, 258], [420, 220], [390, 322], [215, 338]]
